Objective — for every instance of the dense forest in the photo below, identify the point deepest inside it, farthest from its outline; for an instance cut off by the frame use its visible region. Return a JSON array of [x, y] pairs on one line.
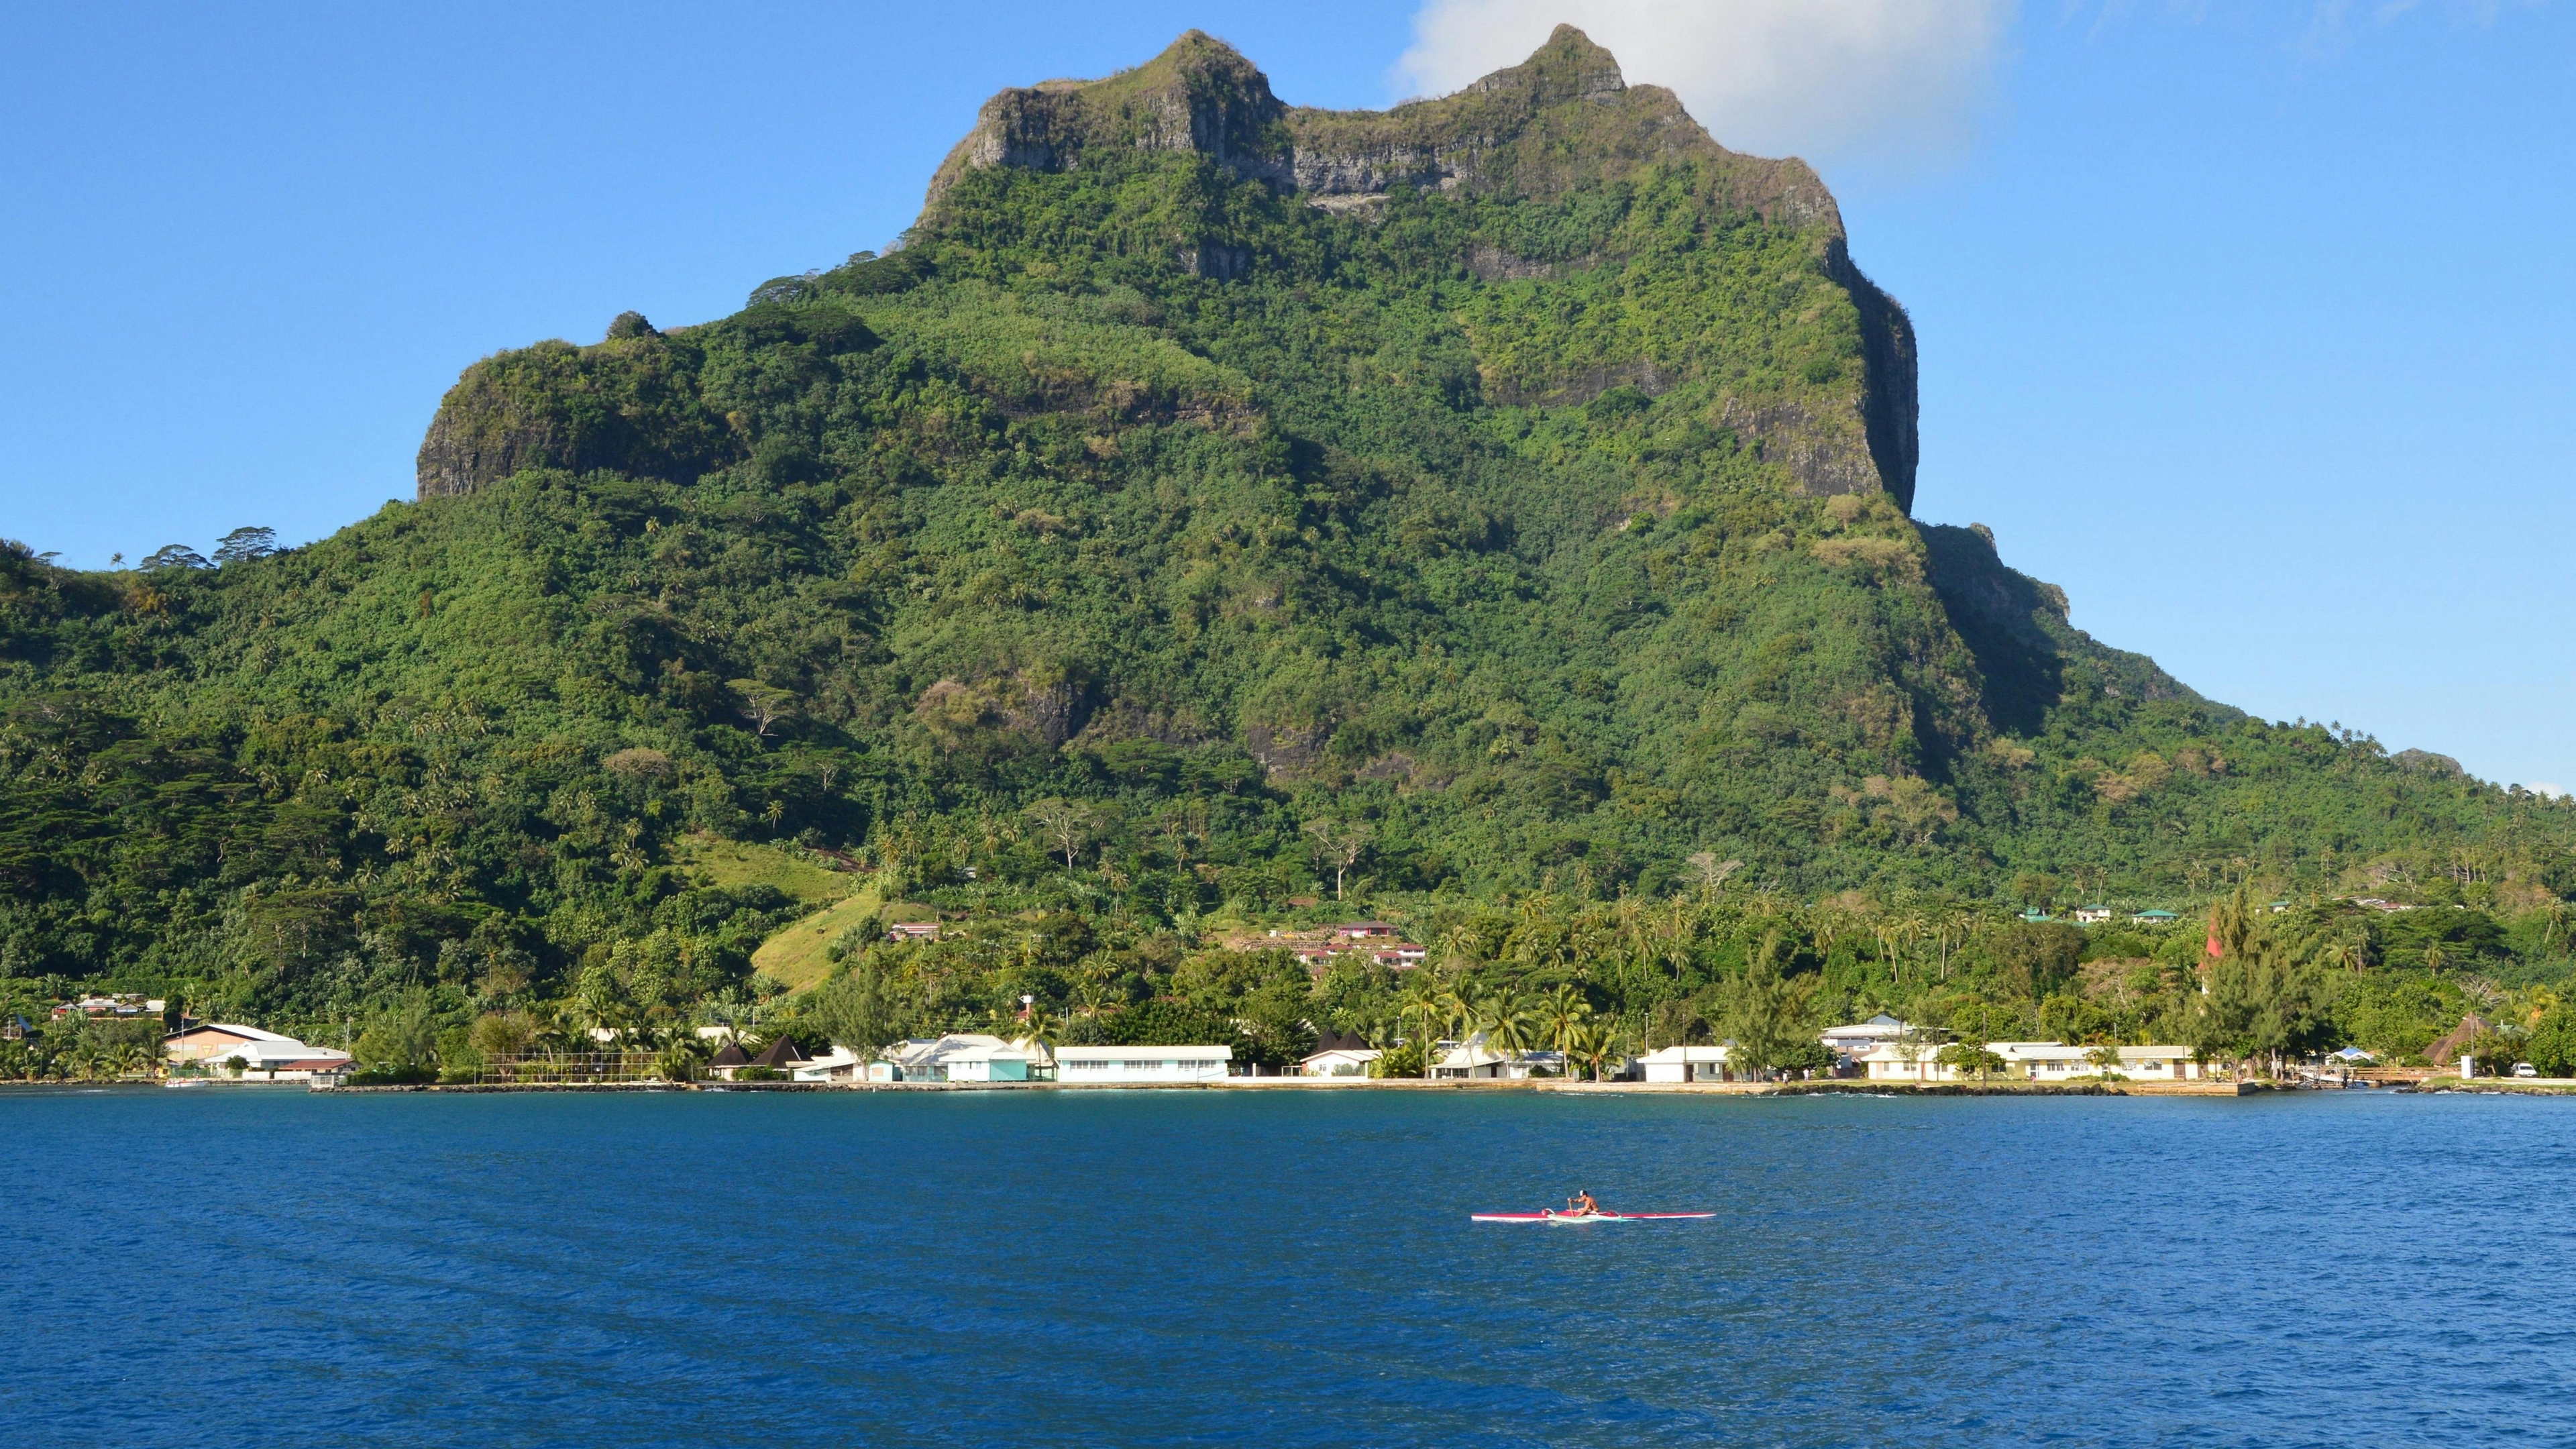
[[1493, 515]]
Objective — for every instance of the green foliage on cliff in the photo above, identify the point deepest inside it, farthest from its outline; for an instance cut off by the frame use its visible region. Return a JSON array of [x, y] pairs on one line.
[[1536, 541]]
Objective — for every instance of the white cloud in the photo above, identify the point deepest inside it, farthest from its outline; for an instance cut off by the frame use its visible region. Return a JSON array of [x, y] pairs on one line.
[[1775, 77]]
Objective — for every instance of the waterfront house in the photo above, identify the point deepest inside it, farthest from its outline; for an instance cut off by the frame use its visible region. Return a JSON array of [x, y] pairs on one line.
[[1472, 1059], [213, 1041], [263, 1054], [2169, 1063], [964, 1056], [729, 1059], [1142, 1064], [1339, 1062], [2455, 1046], [2030, 1061], [1338, 1054], [1861, 1037], [1686, 1064], [840, 1064], [783, 1056], [1906, 1060], [995, 1062]]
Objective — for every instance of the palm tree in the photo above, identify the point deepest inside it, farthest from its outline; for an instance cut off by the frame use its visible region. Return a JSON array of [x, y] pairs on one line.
[[1562, 1014], [1457, 1008], [1510, 1025], [1421, 1006], [1591, 1044], [2105, 1059]]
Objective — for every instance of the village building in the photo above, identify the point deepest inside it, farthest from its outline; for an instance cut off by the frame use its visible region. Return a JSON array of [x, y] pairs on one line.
[[2029, 1061], [1858, 1039], [266, 1055], [968, 1056], [1142, 1064], [1685, 1064], [1470, 1060], [2092, 915], [901, 931], [1338, 1054], [840, 1064], [2155, 918], [729, 1059], [782, 1055], [123, 1004]]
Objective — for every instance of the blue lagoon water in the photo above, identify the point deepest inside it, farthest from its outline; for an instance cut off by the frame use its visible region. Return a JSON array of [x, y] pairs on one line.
[[1216, 1268]]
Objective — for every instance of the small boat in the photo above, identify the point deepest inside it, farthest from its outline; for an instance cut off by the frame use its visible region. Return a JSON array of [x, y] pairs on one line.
[[1549, 1215]]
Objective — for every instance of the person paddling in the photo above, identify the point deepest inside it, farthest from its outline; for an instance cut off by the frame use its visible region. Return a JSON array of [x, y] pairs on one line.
[[1581, 1204]]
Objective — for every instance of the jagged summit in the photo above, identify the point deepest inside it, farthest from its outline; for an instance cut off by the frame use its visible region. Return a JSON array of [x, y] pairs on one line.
[[1561, 118], [1811, 364]]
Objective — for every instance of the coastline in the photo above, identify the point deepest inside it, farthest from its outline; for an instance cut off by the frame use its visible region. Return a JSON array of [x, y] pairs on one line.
[[1402, 1084], [2481, 1086]]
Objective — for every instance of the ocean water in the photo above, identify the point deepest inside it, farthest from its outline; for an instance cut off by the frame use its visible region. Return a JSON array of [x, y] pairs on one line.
[[1293, 1269]]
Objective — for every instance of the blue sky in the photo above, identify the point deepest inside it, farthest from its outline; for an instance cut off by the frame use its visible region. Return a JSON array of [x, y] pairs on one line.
[[2252, 326]]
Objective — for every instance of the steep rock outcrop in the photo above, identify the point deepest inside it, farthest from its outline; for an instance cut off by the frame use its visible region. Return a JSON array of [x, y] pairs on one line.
[[1564, 119], [630, 403]]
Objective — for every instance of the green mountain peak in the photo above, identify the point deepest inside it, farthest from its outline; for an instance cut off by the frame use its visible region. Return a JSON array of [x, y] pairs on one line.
[[1213, 502]]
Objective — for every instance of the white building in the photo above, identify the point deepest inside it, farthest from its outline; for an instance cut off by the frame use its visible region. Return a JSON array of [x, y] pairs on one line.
[[1685, 1064], [1078, 1064], [1471, 1059], [1340, 1062], [840, 1064], [2051, 1062], [1906, 1060], [967, 1056], [1860, 1038], [2035, 1061], [263, 1054], [2166, 1063]]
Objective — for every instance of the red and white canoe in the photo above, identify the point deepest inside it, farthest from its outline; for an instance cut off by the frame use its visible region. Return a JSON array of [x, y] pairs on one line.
[[1544, 1215]]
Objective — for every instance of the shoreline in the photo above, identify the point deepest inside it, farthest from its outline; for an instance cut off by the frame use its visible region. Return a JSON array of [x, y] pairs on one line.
[[2481, 1086], [1321, 1084]]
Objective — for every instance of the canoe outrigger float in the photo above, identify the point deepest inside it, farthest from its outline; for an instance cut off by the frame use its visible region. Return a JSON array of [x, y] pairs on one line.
[[1550, 1215]]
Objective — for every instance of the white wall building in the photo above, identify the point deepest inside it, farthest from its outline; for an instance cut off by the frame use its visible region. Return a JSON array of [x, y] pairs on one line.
[[966, 1056], [2036, 1061], [1860, 1038], [1080, 1064], [840, 1064], [1685, 1064], [264, 1054], [1340, 1062]]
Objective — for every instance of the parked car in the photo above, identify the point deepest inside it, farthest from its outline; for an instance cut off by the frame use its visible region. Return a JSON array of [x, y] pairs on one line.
[[2525, 1069]]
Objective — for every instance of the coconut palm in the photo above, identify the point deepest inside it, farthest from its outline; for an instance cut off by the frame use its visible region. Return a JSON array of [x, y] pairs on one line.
[[1561, 1015], [1591, 1044], [1420, 1010], [1510, 1022], [1458, 1012], [2105, 1059]]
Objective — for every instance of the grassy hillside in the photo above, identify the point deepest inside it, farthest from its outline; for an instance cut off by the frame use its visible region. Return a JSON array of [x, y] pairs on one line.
[[1178, 527]]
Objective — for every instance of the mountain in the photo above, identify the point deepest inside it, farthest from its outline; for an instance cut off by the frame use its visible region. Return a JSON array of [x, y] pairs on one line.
[[1209, 500]]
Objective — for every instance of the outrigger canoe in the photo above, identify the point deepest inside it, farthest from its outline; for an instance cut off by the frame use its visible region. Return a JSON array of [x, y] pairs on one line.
[[1547, 1215]]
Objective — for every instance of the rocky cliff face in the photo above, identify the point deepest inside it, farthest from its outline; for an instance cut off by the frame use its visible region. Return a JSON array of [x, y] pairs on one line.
[[1560, 122], [1563, 119]]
